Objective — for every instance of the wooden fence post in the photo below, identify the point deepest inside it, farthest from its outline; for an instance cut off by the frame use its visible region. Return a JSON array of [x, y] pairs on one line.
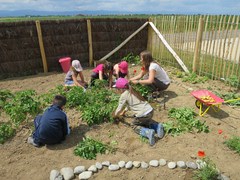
[[198, 44], [40, 41], [90, 49]]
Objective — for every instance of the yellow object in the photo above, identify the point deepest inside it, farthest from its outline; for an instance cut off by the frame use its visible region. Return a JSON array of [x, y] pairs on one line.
[[207, 98]]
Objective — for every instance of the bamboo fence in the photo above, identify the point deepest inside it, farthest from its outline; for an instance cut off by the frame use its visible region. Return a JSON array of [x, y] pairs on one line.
[[208, 45]]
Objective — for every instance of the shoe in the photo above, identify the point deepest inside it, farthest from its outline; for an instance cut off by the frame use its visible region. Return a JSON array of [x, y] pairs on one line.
[[149, 133], [30, 140], [158, 127]]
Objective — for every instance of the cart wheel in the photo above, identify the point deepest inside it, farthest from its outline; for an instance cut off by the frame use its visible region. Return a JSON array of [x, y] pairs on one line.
[[198, 104]]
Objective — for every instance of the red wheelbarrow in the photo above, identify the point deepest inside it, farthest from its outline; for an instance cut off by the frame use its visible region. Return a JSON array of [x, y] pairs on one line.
[[207, 98]]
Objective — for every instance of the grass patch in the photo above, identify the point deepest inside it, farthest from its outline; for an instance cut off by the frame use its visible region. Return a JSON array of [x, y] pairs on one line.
[[233, 144]]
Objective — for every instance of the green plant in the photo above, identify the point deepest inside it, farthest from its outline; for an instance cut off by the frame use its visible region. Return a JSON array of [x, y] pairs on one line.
[[194, 78], [208, 171], [183, 120], [229, 96], [145, 91], [233, 81], [22, 104], [89, 148], [6, 131], [132, 59], [233, 144]]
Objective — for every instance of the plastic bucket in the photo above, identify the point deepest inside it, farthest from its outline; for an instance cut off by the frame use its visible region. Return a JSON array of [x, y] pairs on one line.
[[65, 63]]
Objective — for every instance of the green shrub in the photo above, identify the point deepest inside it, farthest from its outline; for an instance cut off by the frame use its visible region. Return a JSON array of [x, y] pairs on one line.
[[233, 144], [6, 131], [132, 59], [183, 120], [207, 172], [194, 78], [89, 148], [22, 104]]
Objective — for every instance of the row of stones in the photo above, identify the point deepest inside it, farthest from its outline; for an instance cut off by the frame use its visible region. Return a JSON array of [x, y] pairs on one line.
[[68, 173]]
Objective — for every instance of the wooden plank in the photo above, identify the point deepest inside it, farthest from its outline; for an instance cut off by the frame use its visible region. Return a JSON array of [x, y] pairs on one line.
[[214, 74], [42, 50], [198, 46], [90, 47], [214, 51], [169, 48], [230, 46], [123, 43], [224, 47]]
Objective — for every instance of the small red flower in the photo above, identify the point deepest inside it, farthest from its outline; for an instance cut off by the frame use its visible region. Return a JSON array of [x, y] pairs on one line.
[[201, 153], [142, 68], [220, 131], [134, 71]]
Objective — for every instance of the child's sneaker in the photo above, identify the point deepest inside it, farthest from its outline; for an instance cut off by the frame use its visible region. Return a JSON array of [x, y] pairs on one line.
[[30, 140]]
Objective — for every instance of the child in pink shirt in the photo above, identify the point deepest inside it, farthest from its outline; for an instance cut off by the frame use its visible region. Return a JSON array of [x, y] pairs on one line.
[[102, 71]]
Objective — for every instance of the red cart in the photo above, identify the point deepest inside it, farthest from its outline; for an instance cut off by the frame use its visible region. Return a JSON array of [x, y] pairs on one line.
[[207, 98]]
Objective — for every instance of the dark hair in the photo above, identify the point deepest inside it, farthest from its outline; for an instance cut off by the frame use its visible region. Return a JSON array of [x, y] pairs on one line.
[[108, 66], [147, 59], [59, 100]]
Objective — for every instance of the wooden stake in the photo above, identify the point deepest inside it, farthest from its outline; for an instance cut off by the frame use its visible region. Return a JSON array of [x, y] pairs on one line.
[[169, 48], [40, 41], [198, 45], [90, 49]]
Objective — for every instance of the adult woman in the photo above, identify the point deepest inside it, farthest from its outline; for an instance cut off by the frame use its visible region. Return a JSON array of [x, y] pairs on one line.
[[152, 73], [71, 76]]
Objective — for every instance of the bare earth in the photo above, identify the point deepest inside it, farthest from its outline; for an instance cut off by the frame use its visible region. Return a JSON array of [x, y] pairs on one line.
[[20, 160]]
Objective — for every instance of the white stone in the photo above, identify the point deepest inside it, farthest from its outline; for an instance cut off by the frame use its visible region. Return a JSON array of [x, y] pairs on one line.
[[191, 165], [136, 164], [129, 165], [200, 163], [85, 175], [172, 165], [79, 169], [113, 167], [154, 163], [67, 173], [121, 164], [92, 168], [106, 163], [181, 164], [144, 165], [162, 162], [54, 174], [99, 165]]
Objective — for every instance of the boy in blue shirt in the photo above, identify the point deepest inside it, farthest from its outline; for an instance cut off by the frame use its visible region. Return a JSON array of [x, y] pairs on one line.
[[51, 127]]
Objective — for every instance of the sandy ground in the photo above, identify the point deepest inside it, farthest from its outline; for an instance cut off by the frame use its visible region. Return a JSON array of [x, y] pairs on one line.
[[20, 160]]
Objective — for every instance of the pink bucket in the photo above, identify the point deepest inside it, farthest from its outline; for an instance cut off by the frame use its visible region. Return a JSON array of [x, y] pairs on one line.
[[65, 63]]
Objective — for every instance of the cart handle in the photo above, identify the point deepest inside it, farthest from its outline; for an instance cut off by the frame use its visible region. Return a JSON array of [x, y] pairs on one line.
[[231, 100]]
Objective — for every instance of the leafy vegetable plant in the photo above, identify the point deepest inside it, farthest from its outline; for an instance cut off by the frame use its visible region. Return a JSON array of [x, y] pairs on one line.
[[6, 131], [132, 59], [183, 120], [89, 148]]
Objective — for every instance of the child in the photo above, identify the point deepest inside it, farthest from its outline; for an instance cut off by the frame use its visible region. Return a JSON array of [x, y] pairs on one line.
[[71, 77], [102, 71], [153, 74], [121, 70], [143, 112], [51, 127]]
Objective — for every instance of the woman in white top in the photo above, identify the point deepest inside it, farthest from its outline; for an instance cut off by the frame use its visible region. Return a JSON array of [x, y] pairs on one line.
[[152, 73]]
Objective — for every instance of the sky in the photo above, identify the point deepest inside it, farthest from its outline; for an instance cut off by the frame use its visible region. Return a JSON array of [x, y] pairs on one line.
[[130, 6]]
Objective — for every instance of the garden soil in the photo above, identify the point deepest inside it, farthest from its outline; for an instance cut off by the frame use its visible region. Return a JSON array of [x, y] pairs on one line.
[[22, 161]]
